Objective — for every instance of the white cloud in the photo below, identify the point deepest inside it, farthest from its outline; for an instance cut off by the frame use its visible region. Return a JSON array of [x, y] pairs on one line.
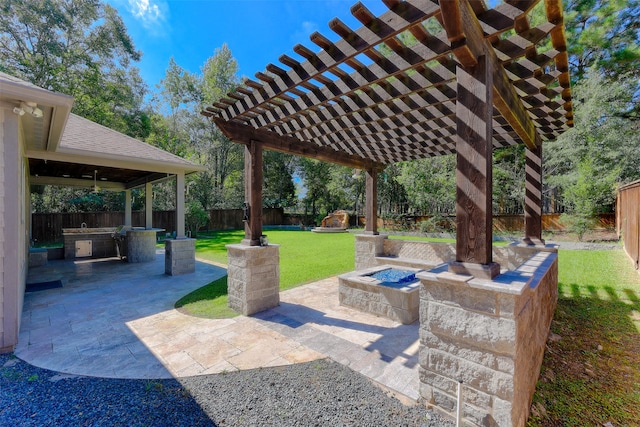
[[149, 12], [302, 34]]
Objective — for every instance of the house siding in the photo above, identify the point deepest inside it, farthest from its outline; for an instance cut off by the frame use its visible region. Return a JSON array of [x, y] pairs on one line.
[[13, 228]]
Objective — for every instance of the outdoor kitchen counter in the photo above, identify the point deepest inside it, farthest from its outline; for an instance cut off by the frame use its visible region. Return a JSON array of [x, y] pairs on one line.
[[87, 242], [99, 243]]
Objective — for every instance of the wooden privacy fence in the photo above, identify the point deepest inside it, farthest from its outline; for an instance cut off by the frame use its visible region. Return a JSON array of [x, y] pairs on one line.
[[47, 227], [628, 219]]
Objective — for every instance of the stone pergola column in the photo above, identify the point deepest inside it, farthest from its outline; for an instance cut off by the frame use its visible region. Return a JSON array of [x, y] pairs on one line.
[[148, 205], [371, 196], [127, 208], [253, 280], [533, 197], [474, 116]]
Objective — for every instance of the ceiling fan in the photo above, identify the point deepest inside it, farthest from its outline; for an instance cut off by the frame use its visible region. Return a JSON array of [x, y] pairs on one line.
[[95, 181]]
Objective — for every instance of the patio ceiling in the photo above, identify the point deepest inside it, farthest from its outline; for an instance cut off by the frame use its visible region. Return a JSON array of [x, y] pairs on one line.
[[89, 154], [370, 98]]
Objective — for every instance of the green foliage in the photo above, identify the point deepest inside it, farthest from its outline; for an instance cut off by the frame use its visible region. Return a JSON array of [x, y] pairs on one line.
[[430, 184], [279, 191], [79, 48], [602, 148], [316, 176], [603, 34], [195, 218], [392, 195], [434, 224], [583, 196], [183, 131]]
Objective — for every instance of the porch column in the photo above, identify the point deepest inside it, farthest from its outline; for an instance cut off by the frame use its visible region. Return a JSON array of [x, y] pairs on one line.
[[127, 207], [371, 195], [474, 115], [148, 205], [180, 188], [253, 193], [533, 197]]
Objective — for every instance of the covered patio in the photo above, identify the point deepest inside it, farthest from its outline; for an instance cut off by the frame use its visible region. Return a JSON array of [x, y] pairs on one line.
[[425, 79], [43, 143]]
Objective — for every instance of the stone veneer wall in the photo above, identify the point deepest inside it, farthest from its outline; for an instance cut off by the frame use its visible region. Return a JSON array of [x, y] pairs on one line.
[[253, 280], [179, 256], [370, 248], [367, 248], [489, 334]]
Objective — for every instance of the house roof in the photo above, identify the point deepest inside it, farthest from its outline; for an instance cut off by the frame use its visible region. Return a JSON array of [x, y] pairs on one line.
[[66, 149], [372, 97]]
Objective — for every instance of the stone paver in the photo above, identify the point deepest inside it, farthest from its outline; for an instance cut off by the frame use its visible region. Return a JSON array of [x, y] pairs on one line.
[[114, 319]]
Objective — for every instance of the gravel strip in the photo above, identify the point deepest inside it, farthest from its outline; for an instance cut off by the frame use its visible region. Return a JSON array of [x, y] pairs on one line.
[[319, 393]]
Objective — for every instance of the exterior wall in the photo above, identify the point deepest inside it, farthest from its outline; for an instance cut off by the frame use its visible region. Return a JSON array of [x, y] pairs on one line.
[[3, 346], [14, 222], [373, 251], [490, 335]]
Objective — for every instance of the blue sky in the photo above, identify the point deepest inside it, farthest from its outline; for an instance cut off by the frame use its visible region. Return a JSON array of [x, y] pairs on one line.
[[256, 31]]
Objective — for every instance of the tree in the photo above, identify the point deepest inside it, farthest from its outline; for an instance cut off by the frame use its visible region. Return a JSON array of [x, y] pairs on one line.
[[279, 191], [583, 195], [430, 184], [80, 48], [185, 132], [604, 34], [316, 176], [605, 137]]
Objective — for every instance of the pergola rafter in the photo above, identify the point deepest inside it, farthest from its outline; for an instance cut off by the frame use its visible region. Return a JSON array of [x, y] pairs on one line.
[[474, 79], [407, 96]]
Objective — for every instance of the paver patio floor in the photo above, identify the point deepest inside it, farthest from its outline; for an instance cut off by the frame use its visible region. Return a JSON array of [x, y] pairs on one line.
[[114, 319]]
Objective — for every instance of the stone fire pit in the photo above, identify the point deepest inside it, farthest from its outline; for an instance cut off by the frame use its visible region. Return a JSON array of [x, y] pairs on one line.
[[371, 292]]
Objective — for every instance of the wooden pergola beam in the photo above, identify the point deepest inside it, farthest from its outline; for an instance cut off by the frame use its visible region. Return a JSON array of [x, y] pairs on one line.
[[468, 44], [244, 134]]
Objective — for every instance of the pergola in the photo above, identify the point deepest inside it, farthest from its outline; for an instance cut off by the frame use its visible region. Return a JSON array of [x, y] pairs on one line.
[[471, 79]]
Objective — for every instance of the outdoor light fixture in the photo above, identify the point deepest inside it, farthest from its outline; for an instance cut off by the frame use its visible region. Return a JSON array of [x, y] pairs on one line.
[[28, 107]]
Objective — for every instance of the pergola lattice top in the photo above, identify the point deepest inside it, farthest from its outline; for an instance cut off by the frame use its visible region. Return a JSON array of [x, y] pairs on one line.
[[371, 99]]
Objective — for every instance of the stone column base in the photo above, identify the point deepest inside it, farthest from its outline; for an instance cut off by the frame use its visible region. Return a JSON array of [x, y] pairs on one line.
[[37, 257], [489, 334], [368, 247], [179, 256], [253, 278]]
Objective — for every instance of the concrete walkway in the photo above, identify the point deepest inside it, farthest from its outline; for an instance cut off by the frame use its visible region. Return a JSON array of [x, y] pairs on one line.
[[114, 319]]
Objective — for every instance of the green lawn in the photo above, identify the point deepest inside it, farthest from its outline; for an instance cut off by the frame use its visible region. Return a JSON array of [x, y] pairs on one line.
[[304, 256], [590, 374]]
